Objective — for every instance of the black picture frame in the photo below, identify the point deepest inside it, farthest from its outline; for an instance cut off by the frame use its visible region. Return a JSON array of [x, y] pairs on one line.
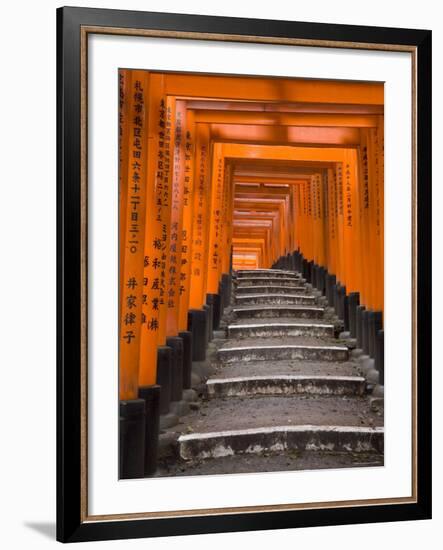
[[72, 526]]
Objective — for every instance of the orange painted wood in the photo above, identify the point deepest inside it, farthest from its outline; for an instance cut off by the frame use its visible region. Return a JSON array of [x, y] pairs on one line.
[[282, 135], [266, 167], [274, 89], [320, 120], [332, 223], [285, 153], [366, 236], [351, 224], [131, 280], [375, 207], [379, 208], [167, 295], [188, 221], [153, 239], [202, 197], [228, 203], [285, 107], [215, 221], [341, 272], [176, 222], [123, 145]]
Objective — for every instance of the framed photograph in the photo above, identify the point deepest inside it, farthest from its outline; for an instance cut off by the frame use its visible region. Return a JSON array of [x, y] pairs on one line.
[[244, 274]]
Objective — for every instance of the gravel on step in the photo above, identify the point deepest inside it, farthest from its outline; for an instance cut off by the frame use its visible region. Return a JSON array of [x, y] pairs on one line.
[[269, 321], [270, 462], [290, 340], [266, 411], [259, 368]]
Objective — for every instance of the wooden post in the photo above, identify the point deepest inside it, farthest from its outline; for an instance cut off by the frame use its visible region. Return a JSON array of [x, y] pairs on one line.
[[153, 238], [216, 220], [176, 222], [165, 194], [188, 222], [202, 196], [131, 280]]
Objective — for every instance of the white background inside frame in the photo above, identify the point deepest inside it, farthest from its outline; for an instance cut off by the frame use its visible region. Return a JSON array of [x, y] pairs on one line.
[[108, 495]]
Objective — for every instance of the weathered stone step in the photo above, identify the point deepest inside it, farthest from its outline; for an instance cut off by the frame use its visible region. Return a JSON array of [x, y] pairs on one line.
[[281, 438], [276, 329], [267, 272], [269, 289], [285, 384], [267, 281], [293, 299], [270, 352], [269, 311], [289, 367], [280, 410], [272, 462]]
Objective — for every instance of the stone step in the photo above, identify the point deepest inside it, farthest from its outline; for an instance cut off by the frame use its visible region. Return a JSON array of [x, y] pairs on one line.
[[267, 273], [285, 384], [281, 438], [288, 367], [266, 281], [293, 299], [272, 462], [269, 289], [281, 410], [269, 311], [274, 352], [276, 329]]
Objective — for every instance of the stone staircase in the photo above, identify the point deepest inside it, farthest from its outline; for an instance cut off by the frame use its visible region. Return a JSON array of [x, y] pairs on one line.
[[283, 392]]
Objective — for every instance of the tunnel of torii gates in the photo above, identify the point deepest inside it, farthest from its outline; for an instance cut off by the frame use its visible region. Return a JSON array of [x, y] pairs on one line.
[[222, 173]]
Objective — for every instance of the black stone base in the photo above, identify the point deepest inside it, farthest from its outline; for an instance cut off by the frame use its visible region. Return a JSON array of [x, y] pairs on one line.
[[353, 302], [380, 356], [226, 285], [366, 326], [216, 311], [176, 344], [151, 396], [186, 336], [164, 377], [197, 325], [132, 439], [210, 304]]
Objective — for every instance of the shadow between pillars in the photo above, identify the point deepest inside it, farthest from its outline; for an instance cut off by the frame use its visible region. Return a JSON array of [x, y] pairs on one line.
[[364, 327]]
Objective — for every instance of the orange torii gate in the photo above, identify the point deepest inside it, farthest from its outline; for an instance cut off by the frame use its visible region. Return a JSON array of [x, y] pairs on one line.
[[249, 118], [290, 90], [133, 166], [233, 118], [348, 227], [299, 107], [269, 205], [279, 187], [348, 276], [184, 140], [271, 153], [262, 234], [366, 94]]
